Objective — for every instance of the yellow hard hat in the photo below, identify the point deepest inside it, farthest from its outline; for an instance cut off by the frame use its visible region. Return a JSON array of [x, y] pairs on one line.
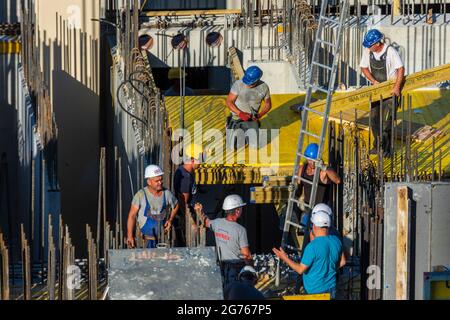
[[194, 151], [174, 73]]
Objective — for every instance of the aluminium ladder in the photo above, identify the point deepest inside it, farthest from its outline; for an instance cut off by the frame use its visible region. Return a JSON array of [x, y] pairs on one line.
[[332, 70]]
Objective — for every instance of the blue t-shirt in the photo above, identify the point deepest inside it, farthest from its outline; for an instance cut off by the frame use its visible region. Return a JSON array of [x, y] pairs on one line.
[[184, 182], [322, 256]]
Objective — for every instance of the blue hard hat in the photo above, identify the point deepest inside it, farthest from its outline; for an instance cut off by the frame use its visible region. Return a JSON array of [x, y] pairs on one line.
[[252, 74], [312, 150], [372, 36]]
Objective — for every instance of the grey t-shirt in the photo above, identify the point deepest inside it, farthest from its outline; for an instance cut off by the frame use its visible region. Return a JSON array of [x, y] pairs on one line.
[[249, 99], [230, 238], [155, 203]]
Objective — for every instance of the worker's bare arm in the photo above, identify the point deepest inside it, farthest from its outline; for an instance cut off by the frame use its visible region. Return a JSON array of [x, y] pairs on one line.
[[131, 224], [266, 108], [368, 75], [334, 177], [399, 81], [231, 99], [199, 211], [343, 260], [169, 222], [300, 268], [245, 252]]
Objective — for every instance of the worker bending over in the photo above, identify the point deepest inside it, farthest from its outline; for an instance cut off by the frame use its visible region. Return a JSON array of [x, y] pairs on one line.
[[152, 205], [244, 287], [379, 63], [231, 237], [321, 258], [244, 102]]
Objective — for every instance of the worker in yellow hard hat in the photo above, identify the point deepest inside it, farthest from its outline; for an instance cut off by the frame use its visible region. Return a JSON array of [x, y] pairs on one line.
[[175, 75], [184, 185]]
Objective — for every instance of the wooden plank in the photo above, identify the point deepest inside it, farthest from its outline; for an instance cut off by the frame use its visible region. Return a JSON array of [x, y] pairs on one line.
[[178, 13], [402, 267], [320, 296], [236, 65], [276, 181], [269, 194], [236, 175], [360, 97]]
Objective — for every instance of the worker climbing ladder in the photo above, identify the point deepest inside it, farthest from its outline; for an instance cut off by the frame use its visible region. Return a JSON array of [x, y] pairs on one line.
[[315, 66]]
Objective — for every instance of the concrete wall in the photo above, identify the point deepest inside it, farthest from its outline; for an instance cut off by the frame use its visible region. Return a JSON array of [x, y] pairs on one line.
[[8, 142], [69, 52]]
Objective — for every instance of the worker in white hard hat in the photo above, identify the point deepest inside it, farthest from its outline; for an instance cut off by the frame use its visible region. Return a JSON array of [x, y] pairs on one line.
[[153, 206], [231, 237], [175, 76], [244, 287], [185, 187], [321, 258]]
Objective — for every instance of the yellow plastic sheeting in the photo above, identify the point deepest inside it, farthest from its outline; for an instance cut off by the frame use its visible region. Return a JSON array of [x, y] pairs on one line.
[[212, 112], [430, 107]]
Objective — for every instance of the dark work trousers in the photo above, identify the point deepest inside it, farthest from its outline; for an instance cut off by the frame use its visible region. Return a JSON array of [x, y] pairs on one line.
[[386, 131]]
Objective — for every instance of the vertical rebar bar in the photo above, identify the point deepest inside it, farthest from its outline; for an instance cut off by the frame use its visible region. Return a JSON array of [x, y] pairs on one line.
[[433, 159]]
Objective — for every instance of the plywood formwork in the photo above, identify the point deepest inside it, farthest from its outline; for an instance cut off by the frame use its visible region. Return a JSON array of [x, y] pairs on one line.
[[429, 107]]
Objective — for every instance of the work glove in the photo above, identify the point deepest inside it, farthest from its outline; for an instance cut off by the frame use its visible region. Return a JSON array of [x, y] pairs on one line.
[[244, 116]]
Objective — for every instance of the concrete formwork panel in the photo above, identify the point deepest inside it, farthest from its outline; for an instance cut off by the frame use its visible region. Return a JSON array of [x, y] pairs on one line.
[[429, 242]]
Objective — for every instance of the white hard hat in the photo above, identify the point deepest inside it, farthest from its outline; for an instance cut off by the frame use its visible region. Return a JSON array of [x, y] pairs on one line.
[[232, 202], [321, 219], [248, 269], [322, 207], [153, 171]]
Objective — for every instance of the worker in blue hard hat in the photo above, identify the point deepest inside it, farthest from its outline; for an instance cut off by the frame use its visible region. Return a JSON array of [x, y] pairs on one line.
[[306, 171], [244, 101], [379, 63]]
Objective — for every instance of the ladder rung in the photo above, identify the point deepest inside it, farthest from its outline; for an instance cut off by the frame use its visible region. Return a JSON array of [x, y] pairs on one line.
[[299, 203], [303, 156], [305, 180], [311, 134], [293, 200], [294, 224], [326, 43], [314, 111], [318, 88], [322, 65]]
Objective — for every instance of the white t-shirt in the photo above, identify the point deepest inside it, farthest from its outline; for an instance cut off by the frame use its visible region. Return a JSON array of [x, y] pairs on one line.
[[393, 60]]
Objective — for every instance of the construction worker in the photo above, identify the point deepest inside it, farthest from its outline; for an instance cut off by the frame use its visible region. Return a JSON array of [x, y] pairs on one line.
[[152, 206], [185, 188], [231, 237], [175, 75], [321, 258], [244, 102], [244, 287], [306, 171], [379, 63]]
